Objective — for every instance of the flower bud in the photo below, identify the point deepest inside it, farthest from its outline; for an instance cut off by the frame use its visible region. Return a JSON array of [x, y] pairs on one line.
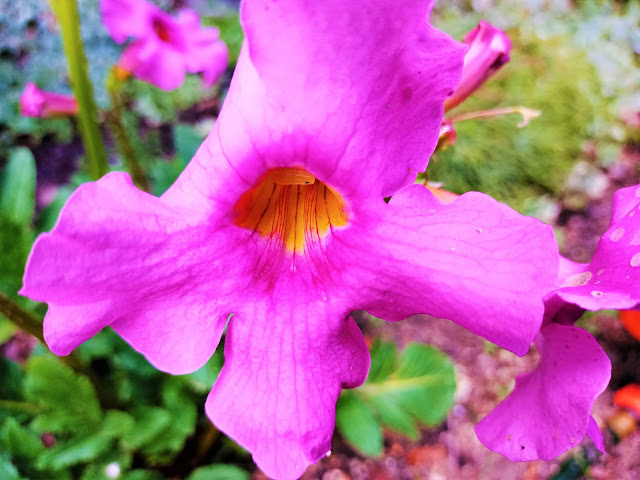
[[39, 103]]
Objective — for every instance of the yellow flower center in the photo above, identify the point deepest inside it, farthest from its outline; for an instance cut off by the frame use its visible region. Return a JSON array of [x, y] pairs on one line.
[[292, 206]]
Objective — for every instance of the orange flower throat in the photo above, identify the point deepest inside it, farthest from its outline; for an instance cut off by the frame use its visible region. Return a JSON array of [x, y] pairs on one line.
[[292, 206]]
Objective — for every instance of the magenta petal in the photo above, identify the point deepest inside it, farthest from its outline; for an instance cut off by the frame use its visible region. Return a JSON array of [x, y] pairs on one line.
[[127, 18], [549, 411], [282, 375], [612, 279], [474, 261], [157, 63], [120, 256], [594, 433], [624, 201], [376, 72]]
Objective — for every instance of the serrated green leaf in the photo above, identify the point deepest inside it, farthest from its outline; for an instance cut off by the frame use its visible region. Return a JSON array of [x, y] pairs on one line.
[[150, 422], [219, 472], [69, 400], [18, 187], [422, 386], [399, 394], [8, 471], [358, 425], [73, 452], [117, 423], [20, 442]]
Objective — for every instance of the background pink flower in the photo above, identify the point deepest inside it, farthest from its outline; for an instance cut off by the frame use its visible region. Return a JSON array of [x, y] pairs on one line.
[[164, 48]]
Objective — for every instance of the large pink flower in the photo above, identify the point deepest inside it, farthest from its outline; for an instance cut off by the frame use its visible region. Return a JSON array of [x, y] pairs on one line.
[[280, 219], [549, 411], [164, 48]]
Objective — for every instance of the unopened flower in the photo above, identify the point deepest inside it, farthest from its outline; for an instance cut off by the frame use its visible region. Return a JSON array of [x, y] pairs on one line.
[[549, 411], [280, 219], [39, 103], [164, 48], [488, 52]]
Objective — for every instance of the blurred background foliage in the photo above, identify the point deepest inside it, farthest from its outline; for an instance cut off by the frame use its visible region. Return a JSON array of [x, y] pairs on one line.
[[110, 414]]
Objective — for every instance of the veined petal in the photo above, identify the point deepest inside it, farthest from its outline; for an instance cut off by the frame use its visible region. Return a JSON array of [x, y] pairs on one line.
[[332, 98], [155, 62], [612, 279], [127, 18], [474, 261], [284, 368], [549, 411], [122, 257]]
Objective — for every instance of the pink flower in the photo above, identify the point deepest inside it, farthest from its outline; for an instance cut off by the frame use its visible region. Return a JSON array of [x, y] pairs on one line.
[[280, 219], [39, 103], [549, 411], [489, 51], [164, 48]]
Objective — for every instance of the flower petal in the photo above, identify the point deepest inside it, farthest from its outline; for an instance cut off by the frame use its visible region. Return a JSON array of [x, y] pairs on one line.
[[120, 256], [155, 62], [282, 375], [594, 433], [127, 18], [474, 261], [549, 411], [612, 279], [360, 88], [624, 200]]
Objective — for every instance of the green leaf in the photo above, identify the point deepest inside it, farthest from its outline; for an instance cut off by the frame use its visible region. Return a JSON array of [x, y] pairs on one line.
[[18, 186], [20, 442], [203, 379], [400, 394], [69, 399], [73, 452], [187, 141], [108, 466], [143, 475], [150, 422], [8, 471], [422, 385], [219, 472], [358, 425]]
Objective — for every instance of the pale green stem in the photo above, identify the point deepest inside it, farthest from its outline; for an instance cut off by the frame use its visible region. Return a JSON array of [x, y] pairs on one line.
[[66, 12], [527, 114]]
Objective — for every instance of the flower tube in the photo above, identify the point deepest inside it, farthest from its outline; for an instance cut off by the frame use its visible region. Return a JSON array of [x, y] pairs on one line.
[[39, 103], [488, 52]]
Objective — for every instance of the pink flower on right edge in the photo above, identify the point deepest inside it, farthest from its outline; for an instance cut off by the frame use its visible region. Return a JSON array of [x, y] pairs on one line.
[[549, 410], [164, 48]]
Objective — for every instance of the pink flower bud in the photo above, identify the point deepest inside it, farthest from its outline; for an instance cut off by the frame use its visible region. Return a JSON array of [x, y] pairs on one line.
[[488, 52], [39, 103]]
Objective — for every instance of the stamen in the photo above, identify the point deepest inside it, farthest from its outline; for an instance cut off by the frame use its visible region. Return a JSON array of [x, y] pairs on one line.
[[290, 205]]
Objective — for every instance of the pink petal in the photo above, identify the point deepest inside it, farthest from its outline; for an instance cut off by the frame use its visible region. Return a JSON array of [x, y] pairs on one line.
[[474, 261], [284, 369], [624, 201], [127, 18], [155, 62], [357, 112], [612, 279], [549, 411], [122, 257], [594, 433]]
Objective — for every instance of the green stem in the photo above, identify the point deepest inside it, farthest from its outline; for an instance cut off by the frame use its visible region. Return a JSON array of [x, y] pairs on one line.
[[17, 406], [527, 114], [20, 317], [30, 324], [119, 132], [66, 12]]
